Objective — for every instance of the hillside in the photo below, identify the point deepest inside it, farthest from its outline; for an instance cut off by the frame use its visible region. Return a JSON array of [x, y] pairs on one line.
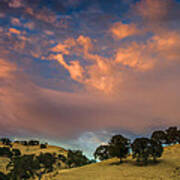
[[168, 168], [26, 150]]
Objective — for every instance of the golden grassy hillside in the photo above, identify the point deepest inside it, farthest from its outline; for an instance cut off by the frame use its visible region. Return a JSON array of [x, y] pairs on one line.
[[30, 150], [168, 168]]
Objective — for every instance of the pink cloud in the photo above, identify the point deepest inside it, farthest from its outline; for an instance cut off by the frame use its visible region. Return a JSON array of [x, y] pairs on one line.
[[121, 31], [15, 3], [15, 21]]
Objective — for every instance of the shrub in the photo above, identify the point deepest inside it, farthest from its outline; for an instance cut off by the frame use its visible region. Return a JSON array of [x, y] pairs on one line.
[[5, 152], [16, 152], [76, 158], [5, 141], [43, 146], [47, 160], [23, 167]]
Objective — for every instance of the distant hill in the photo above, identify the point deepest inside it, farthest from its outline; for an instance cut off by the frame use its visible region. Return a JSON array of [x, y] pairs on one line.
[[168, 168]]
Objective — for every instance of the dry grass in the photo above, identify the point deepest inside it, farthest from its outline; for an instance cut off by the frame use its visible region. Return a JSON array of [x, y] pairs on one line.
[[31, 150], [168, 168]]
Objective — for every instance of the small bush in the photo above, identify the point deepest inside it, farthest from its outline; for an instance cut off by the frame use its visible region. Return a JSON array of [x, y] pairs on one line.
[[16, 152], [5, 152], [5, 141], [43, 146]]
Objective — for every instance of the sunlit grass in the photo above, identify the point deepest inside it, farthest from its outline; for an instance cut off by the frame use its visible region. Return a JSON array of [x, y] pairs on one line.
[[166, 169]]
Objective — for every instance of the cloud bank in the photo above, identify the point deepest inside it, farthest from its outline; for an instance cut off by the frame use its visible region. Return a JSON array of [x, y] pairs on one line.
[[67, 75]]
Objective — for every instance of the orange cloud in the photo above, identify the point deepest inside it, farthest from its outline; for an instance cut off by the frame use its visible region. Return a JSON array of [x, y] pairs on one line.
[[135, 56], [6, 69], [85, 42], [14, 31], [167, 45], [61, 48], [75, 69], [121, 31], [99, 75]]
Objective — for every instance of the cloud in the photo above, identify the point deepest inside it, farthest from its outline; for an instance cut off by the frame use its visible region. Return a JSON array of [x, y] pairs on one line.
[[6, 69], [137, 56], [121, 31], [156, 14], [14, 31], [15, 21], [75, 69], [98, 75], [63, 76], [15, 3], [30, 109], [29, 25]]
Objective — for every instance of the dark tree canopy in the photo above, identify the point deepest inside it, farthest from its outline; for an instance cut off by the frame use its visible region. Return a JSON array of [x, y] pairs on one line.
[[47, 160], [16, 152], [144, 148], [23, 167], [76, 158], [102, 152], [119, 147], [159, 136], [5, 152], [43, 146], [173, 135], [5, 141], [62, 158]]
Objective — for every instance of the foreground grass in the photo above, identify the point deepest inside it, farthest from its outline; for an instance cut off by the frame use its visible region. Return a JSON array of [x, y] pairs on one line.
[[168, 168]]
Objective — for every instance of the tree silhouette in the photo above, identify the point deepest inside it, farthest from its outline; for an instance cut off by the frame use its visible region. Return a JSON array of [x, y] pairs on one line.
[[159, 136], [156, 149], [102, 152], [144, 148], [76, 158], [119, 147], [23, 167], [172, 135]]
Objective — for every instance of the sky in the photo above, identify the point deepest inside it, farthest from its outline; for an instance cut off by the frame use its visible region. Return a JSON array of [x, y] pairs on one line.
[[76, 72]]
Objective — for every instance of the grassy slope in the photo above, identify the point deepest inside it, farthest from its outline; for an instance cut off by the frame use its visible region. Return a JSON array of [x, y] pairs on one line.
[[167, 169], [30, 150], [109, 170]]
